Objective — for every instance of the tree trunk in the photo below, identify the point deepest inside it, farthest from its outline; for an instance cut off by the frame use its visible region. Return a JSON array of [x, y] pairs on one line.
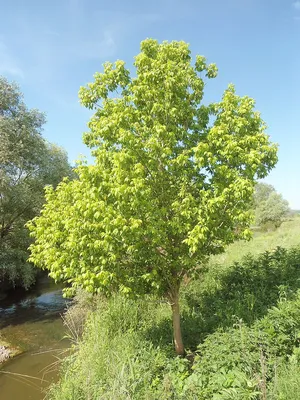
[[179, 348]]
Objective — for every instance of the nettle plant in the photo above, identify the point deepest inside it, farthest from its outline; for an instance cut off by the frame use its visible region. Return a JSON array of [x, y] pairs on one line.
[[172, 182]]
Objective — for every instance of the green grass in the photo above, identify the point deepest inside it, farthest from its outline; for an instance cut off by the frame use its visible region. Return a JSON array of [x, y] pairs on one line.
[[287, 236], [115, 360], [287, 381], [240, 321]]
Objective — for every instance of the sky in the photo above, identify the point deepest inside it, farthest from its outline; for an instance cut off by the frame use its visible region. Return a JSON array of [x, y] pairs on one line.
[[51, 48]]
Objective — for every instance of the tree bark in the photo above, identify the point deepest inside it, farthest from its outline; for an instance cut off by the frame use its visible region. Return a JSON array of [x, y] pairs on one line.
[[179, 348]]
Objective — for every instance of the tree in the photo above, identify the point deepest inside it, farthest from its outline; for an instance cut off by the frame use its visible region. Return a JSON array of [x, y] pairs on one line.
[[27, 164], [262, 192], [270, 206], [171, 184]]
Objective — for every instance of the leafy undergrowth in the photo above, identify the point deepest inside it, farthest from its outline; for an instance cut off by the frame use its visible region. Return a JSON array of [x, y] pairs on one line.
[[241, 322]]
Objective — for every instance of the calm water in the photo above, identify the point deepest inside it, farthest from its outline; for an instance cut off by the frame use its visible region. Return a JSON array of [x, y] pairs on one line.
[[31, 321]]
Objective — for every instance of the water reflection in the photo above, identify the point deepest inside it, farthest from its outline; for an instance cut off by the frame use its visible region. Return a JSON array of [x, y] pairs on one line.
[[43, 301], [31, 320]]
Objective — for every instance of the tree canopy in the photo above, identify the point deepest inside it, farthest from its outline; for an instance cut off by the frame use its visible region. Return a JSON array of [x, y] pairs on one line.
[[172, 182], [27, 164]]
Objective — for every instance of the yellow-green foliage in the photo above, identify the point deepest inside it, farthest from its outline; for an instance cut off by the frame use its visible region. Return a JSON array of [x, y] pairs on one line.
[[172, 181]]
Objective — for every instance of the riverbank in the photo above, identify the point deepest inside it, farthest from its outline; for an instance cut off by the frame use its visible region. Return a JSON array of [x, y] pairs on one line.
[[32, 340]]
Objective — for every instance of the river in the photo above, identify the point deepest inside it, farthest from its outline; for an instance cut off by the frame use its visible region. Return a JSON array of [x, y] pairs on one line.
[[31, 321]]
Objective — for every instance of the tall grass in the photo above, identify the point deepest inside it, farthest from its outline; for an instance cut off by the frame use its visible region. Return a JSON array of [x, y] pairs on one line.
[[287, 380], [115, 360]]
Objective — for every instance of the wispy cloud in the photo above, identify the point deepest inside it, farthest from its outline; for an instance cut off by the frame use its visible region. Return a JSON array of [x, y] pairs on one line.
[[151, 17], [57, 48], [51, 32], [93, 49], [51, 53], [296, 5], [8, 64]]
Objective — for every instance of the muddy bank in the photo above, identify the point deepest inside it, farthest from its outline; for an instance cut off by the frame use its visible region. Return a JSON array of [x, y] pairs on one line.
[[5, 353]]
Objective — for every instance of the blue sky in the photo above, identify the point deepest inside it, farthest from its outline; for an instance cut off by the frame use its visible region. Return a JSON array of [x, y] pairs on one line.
[[51, 48]]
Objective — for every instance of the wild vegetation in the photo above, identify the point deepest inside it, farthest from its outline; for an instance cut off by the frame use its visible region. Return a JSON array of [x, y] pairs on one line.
[[27, 163], [241, 327]]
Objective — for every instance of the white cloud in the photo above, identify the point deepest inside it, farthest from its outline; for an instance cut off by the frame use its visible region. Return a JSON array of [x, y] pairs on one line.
[[8, 64], [296, 5]]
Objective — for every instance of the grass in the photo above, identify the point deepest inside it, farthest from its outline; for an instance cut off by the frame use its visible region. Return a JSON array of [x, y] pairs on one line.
[[287, 236], [116, 346], [240, 321], [287, 382]]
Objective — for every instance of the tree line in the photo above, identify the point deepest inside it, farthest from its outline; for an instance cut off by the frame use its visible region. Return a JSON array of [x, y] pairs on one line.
[[27, 164]]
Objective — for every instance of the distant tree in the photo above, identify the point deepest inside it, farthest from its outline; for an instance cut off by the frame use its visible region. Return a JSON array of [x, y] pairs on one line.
[[27, 164], [270, 207], [172, 182], [262, 193]]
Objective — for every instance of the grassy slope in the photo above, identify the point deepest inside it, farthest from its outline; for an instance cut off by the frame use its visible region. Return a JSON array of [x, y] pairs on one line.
[[127, 352], [288, 235]]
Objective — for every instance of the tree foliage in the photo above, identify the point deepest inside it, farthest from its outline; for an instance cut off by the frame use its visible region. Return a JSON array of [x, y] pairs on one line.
[[172, 181], [270, 207], [27, 164]]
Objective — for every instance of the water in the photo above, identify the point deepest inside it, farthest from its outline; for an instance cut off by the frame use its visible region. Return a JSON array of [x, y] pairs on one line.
[[32, 322], [27, 376]]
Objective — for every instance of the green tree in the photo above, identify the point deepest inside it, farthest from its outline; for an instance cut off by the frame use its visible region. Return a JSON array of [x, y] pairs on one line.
[[270, 207], [272, 212], [27, 164], [262, 193], [171, 184]]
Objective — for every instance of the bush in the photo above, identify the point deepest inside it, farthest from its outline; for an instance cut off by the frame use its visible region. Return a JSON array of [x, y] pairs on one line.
[[241, 362], [244, 290]]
